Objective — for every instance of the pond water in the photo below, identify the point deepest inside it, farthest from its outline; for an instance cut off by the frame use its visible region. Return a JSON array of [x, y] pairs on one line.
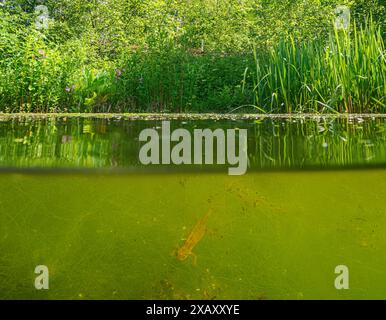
[[75, 198], [113, 142]]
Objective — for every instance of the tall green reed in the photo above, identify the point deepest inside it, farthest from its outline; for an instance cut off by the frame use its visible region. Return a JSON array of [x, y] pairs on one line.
[[345, 73]]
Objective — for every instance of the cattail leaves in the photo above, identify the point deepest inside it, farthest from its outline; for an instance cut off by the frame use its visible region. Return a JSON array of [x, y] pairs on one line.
[[346, 73]]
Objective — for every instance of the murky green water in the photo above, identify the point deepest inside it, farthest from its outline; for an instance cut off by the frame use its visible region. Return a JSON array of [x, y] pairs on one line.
[[271, 234]]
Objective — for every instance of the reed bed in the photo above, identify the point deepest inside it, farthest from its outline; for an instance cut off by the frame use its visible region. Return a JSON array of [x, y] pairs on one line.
[[345, 73]]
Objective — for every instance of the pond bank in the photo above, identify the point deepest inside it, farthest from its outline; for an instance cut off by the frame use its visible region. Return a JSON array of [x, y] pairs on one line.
[[192, 116]]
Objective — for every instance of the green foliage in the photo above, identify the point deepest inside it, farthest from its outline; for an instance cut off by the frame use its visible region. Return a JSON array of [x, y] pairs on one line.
[[168, 55]]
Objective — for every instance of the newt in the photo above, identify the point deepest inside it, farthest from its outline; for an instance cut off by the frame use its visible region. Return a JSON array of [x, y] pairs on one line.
[[193, 239]]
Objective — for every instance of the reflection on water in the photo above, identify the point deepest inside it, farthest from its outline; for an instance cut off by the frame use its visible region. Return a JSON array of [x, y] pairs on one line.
[[272, 142]]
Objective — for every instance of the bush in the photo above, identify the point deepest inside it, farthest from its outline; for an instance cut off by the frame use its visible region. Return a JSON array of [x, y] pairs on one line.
[[183, 56]]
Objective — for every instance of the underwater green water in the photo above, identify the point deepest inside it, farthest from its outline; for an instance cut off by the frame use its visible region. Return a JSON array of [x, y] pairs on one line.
[[313, 199], [275, 235]]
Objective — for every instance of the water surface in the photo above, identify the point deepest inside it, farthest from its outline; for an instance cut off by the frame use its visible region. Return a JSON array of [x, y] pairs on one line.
[[273, 142]]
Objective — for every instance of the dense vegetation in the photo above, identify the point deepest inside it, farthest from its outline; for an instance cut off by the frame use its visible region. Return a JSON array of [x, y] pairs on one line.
[[196, 56]]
